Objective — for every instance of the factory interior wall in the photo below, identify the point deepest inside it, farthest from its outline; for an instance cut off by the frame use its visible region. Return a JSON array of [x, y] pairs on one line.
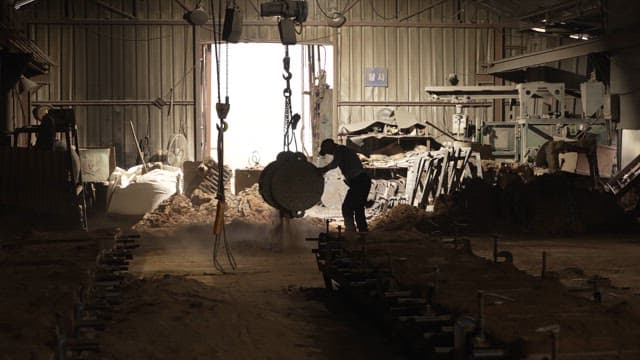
[[255, 89], [111, 68]]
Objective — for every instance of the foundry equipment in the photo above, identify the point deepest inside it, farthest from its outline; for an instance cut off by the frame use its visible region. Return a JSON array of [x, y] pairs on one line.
[[415, 320], [222, 110], [290, 13], [541, 116], [290, 184]]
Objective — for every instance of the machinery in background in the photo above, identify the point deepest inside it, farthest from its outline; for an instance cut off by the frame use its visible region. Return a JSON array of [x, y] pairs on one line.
[[48, 181], [541, 118]]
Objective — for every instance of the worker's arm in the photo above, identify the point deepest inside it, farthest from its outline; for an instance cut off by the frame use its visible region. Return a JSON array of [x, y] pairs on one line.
[[332, 165]]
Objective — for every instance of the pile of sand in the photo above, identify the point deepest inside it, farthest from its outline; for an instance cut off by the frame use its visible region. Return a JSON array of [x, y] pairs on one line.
[[200, 208], [404, 217]]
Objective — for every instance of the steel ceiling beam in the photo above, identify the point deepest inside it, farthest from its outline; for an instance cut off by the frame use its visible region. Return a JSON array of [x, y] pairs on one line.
[[618, 41]]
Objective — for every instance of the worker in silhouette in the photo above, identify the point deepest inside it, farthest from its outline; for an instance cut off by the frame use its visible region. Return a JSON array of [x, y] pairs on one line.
[[46, 138], [356, 178]]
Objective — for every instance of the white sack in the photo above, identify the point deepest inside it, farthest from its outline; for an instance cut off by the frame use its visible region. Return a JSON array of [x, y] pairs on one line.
[[132, 193]]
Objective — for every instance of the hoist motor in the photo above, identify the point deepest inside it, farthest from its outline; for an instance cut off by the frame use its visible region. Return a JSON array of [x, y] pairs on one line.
[[290, 14]]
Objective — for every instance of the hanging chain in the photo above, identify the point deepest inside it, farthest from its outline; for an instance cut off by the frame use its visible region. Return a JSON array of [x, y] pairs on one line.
[[290, 119], [287, 98]]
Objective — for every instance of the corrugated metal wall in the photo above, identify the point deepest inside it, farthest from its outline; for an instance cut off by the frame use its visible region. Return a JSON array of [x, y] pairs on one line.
[[111, 68], [418, 52]]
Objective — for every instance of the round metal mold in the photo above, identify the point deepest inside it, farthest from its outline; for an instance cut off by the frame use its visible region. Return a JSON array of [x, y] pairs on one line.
[[264, 183], [291, 184]]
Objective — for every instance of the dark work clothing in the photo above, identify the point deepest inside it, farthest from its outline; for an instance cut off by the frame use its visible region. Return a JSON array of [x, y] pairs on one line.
[[46, 134], [355, 201], [348, 162]]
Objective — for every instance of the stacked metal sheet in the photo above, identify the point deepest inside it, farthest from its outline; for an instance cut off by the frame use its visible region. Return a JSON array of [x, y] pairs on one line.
[[204, 177], [430, 174]]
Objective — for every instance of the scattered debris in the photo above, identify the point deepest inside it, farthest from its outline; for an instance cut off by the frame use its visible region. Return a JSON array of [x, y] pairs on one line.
[[417, 177], [247, 206]]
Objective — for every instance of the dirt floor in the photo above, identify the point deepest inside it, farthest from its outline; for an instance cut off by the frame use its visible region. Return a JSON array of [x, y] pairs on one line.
[[525, 302], [177, 306], [273, 307]]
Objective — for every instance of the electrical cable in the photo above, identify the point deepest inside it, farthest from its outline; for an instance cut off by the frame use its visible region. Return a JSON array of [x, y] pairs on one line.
[[349, 7], [423, 10], [322, 10], [379, 15]]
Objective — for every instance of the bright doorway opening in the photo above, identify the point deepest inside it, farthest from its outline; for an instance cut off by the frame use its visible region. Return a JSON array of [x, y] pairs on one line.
[[252, 76]]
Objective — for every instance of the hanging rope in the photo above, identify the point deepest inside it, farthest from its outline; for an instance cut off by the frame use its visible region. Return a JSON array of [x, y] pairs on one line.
[[290, 120], [222, 109]]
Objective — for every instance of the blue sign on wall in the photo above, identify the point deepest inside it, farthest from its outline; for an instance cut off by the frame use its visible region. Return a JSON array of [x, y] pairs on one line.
[[375, 77]]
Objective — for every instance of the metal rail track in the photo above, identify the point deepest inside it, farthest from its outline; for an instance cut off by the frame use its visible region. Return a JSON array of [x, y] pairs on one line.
[[417, 327]]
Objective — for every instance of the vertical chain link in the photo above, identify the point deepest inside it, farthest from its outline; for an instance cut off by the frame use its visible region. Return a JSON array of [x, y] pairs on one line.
[[288, 132]]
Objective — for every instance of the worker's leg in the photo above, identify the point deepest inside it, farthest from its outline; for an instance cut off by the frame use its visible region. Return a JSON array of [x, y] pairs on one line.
[[348, 209], [362, 185]]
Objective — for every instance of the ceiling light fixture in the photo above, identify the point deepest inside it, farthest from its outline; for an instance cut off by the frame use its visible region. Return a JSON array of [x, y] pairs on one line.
[[580, 36], [540, 30]]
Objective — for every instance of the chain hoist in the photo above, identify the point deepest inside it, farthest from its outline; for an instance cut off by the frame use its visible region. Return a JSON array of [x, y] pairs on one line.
[[222, 110], [290, 120]]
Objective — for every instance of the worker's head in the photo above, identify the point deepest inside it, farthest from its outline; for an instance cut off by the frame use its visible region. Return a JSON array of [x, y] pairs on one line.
[[40, 112], [327, 147]]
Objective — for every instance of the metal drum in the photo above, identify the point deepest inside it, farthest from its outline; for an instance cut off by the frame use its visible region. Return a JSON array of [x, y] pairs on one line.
[[291, 184]]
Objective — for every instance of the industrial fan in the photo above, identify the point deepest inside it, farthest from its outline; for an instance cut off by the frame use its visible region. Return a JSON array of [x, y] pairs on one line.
[[177, 150]]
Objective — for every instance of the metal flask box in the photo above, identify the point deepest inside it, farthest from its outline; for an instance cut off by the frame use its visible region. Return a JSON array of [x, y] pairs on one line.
[[291, 184]]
